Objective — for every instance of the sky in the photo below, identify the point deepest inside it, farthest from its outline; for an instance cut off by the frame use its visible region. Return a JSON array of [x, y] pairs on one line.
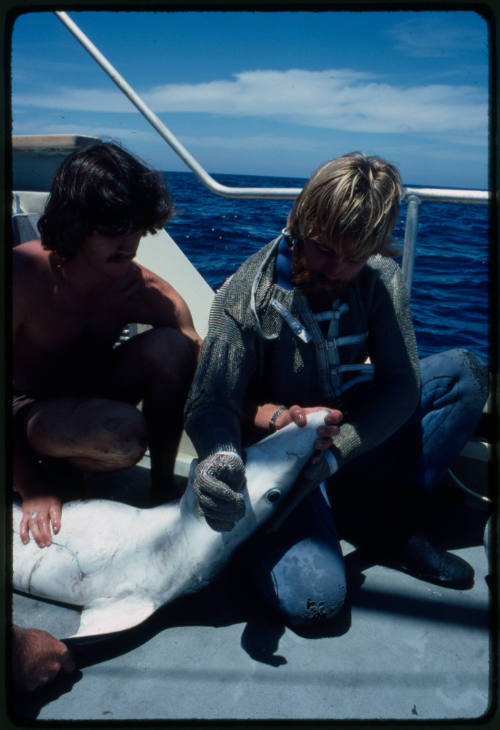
[[268, 93]]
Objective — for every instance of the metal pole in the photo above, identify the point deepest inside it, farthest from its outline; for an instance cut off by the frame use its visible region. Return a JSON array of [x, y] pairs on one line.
[[445, 195], [165, 133], [448, 195], [410, 242], [413, 196]]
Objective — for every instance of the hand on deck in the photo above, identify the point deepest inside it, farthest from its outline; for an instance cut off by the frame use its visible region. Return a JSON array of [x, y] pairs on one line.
[[218, 482], [39, 513], [37, 658]]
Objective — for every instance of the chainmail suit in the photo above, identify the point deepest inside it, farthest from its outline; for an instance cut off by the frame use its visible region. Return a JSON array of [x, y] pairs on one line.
[[266, 344]]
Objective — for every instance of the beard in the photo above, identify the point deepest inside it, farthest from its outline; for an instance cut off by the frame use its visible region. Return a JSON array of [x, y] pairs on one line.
[[313, 284]]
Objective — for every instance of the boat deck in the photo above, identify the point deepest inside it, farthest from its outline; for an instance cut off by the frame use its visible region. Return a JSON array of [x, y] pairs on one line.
[[402, 649]]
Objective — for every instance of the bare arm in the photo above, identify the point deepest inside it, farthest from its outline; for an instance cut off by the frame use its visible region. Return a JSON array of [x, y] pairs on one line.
[[41, 508], [21, 279], [157, 303], [37, 498]]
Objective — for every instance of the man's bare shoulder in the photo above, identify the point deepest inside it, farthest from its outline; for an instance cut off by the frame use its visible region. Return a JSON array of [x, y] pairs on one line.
[[163, 304], [155, 282], [156, 289], [31, 276], [31, 268], [30, 257]]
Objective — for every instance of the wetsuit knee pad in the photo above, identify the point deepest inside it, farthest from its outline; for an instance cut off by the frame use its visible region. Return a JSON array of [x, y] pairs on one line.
[[472, 371], [464, 368], [309, 584], [300, 570]]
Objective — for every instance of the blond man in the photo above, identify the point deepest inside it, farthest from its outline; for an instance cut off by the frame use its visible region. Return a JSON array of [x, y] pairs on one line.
[[320, 317]]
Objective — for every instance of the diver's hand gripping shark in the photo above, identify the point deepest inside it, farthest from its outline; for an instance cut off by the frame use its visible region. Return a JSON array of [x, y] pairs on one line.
[[121, 563]]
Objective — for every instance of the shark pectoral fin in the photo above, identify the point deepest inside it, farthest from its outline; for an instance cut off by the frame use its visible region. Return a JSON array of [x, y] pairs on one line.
[[108, 615]]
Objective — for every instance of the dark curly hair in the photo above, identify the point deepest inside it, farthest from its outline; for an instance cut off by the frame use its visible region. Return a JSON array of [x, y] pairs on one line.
[[102, 188]]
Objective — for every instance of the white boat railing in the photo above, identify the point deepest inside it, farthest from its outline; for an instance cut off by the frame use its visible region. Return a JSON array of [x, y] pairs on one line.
[[411, 195], [413, 198]]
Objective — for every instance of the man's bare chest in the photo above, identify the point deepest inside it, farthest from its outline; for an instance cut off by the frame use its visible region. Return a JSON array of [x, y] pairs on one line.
[[59, 325]]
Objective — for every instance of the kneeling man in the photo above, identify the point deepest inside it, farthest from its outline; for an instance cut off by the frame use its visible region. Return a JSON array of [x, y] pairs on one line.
[[74, 291], [320, 317]]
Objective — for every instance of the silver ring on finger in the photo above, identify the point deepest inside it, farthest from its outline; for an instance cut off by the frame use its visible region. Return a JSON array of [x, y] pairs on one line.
[[33, 515]]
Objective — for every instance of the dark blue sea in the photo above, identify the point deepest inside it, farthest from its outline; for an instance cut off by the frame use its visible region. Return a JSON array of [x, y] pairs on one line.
[[450, 286]]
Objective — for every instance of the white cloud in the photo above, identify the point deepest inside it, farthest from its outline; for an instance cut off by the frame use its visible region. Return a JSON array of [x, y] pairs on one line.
[[339, 99], [74, 99]]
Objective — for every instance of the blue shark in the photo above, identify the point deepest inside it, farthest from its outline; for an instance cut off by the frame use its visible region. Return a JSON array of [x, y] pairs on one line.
[[120, 563]]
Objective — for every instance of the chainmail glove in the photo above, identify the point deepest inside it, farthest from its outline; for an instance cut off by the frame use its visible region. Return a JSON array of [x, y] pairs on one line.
[[218, 482]]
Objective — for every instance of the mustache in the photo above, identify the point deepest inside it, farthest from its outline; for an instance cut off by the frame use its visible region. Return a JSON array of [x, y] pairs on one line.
[[121, 257]]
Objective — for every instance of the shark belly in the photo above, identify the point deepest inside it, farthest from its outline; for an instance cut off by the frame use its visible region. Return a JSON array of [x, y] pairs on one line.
[[120, 563]]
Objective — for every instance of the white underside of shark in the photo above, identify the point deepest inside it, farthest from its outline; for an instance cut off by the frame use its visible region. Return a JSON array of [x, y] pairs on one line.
[[120, 563]]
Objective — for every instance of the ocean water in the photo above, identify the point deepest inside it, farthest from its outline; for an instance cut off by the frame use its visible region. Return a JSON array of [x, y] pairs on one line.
[[450, 287]]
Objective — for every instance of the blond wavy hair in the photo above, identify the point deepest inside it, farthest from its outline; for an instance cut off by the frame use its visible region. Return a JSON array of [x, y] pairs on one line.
[[353, 197]]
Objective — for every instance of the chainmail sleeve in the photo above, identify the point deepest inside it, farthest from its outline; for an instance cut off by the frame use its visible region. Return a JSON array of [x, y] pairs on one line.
[[392, 349], [213, 412]]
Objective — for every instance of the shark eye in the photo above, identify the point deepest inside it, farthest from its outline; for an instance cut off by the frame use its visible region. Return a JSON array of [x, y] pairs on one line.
[[273, 495]]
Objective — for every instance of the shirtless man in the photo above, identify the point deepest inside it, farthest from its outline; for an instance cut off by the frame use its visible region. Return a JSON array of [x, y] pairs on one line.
[[75, 392]]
